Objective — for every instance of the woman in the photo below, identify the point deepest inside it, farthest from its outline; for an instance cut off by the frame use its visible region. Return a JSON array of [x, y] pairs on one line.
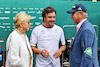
[[19, 53]]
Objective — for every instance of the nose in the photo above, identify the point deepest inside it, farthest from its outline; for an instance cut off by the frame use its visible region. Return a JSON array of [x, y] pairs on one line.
[[52, 18], [29, 24], [71, 16]]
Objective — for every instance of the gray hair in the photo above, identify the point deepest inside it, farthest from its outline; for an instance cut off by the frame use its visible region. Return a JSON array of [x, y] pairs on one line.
[[84, 13]]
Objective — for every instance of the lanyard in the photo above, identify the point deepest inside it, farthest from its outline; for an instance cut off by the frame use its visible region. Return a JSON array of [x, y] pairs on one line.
[[29, 52]]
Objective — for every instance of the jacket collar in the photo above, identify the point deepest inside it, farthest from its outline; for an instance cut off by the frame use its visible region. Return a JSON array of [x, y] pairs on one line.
[[83, 24], [81, 28], [19, 32]]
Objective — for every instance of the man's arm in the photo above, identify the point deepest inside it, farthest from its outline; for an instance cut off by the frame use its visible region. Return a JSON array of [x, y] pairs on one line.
[[87, 39], [35, 50], [44, 53], [62, 48], [59, 52]]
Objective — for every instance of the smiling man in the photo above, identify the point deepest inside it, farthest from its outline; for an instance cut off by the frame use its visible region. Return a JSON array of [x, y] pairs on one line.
[[47, 37]]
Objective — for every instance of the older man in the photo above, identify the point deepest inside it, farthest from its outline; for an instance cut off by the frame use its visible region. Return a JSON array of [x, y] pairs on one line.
[[83, 52]]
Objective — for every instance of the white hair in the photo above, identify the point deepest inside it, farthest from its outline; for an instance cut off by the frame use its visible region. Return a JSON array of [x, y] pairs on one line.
[[84, 14]]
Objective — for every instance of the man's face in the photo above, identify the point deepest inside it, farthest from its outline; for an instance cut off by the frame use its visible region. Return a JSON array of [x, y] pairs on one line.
[[75, 17], [49, 19]]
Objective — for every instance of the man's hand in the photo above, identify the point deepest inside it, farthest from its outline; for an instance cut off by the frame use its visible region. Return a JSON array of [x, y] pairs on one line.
[[44, 53], [69, 65], [57, 53]]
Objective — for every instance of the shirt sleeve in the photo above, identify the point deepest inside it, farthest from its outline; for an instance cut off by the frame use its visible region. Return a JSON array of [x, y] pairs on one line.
[[62, 37], [13, 52], [33, 38], [86, 45]]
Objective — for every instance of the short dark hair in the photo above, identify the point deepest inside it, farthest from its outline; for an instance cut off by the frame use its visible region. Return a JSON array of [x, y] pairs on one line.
[[48, 10]]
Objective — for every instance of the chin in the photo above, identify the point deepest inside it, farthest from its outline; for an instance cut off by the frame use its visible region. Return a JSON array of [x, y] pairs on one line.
[[27, 29], [75, 22], [52, 24]]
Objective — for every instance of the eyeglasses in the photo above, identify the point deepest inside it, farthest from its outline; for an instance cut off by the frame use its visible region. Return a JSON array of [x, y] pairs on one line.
[[28, 22]]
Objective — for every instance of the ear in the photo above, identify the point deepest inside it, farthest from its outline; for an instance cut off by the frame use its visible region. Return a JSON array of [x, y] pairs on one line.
[[44, 18], [20, 25]]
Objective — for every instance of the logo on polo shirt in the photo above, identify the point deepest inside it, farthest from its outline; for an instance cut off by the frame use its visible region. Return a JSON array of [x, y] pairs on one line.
[[42, 31]]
